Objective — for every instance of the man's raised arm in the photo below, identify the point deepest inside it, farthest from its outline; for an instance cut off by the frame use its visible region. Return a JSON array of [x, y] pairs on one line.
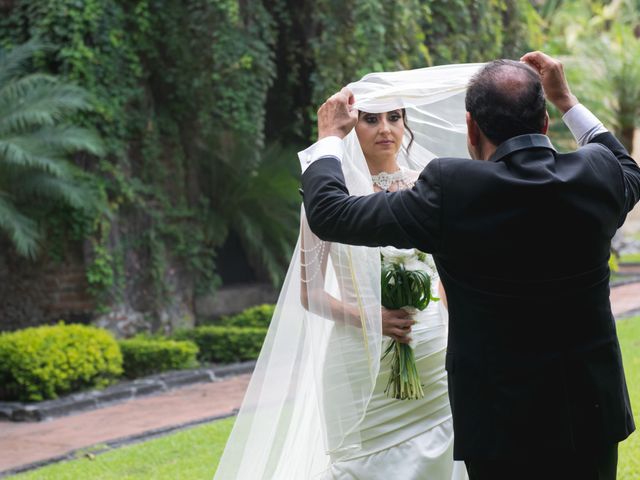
[[584, 126], [404, 219]]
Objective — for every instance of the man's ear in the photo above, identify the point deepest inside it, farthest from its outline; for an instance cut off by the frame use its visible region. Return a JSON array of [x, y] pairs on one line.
[[545, 127], [473, 131]]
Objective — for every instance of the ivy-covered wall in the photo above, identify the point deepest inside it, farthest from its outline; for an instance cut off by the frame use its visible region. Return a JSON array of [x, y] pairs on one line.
[[202, 105]]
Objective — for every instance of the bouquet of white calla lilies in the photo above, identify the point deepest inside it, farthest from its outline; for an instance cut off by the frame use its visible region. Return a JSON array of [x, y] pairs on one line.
[[405, 285]]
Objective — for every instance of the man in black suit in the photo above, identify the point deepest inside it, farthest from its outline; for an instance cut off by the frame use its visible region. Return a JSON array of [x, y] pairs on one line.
[[521, 239]]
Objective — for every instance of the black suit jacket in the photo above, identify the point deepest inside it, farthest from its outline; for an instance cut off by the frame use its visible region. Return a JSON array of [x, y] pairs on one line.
[[522, 243]]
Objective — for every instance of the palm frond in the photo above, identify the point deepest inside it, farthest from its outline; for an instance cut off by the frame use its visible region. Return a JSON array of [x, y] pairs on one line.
[[21, 86], [36, 141], [15, 155], [14, 62], [609, 76], [22, 230], [40, 186], [45, 104], [58, 141], [266, 211]]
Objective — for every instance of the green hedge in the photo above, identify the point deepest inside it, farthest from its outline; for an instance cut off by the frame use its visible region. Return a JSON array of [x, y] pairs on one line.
[[144, 356], [225, 344], [258, 316], [44, 362]]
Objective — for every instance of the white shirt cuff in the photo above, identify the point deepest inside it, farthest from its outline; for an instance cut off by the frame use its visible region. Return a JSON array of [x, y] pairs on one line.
[[327, 147], [583, 124]]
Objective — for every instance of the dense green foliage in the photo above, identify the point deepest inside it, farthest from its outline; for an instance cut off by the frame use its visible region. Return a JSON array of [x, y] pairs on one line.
[[225, 344], [143, 356], [599, 42], [258, 316], [45, 362], [360, 36], [231, 339], [202, 104]]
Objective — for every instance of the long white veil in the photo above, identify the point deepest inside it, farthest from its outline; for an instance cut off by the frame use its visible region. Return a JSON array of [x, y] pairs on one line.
[[320, 360]]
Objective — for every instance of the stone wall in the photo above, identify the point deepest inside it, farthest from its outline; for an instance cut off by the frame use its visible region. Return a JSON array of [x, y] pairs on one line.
[[45, 292], [233, 299], [35, 293]]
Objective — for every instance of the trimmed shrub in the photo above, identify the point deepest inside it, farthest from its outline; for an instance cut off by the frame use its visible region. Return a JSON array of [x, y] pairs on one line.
[[258, 316], [44, 362], [144, 356], [225, 344]]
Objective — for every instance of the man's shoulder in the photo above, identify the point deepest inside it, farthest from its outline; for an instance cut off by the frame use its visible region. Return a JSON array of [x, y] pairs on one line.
[[448, 163], [323, 164], [454, 166], [454, 173], [599, 152]]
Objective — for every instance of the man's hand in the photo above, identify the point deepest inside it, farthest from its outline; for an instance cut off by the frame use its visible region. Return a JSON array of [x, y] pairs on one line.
[[397, 324], [336, 116], [554, 83]]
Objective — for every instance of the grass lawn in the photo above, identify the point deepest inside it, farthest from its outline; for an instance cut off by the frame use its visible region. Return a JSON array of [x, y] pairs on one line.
[[630, 258], [191, 454], [194, 454], [629, 334]]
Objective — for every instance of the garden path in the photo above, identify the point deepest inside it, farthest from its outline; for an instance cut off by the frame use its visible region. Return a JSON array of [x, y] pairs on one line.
[[26, 444]]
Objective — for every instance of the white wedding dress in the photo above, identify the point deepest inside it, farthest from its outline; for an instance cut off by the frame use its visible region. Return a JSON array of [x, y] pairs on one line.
[[405, 439], [409, 439]]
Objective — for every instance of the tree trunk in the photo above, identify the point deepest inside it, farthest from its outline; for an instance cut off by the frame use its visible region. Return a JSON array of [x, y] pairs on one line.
[[626, 136]]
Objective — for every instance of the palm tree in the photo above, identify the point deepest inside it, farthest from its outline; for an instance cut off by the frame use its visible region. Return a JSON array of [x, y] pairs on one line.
[[37, 138], [604, 69], [255, 196], [615, 64], [600, 43]]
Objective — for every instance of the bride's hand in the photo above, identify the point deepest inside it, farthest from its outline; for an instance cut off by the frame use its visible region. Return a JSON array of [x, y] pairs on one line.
[[397, 324]]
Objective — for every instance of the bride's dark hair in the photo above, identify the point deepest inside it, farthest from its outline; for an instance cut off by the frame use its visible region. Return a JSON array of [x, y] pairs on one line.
[[406, 127]]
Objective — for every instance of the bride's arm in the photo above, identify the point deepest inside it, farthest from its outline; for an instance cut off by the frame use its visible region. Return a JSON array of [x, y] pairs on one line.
[[442, 295], [313, 296], [315, 299]]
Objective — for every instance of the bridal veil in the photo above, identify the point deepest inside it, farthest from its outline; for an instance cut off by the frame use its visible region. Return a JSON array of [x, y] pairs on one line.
[[320, 360]]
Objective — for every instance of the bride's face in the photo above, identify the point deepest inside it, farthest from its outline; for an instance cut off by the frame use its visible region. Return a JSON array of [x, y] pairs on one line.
[[380, 134]]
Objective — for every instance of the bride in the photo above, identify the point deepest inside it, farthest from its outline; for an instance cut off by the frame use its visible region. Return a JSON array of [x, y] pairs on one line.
[[316, 406]]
